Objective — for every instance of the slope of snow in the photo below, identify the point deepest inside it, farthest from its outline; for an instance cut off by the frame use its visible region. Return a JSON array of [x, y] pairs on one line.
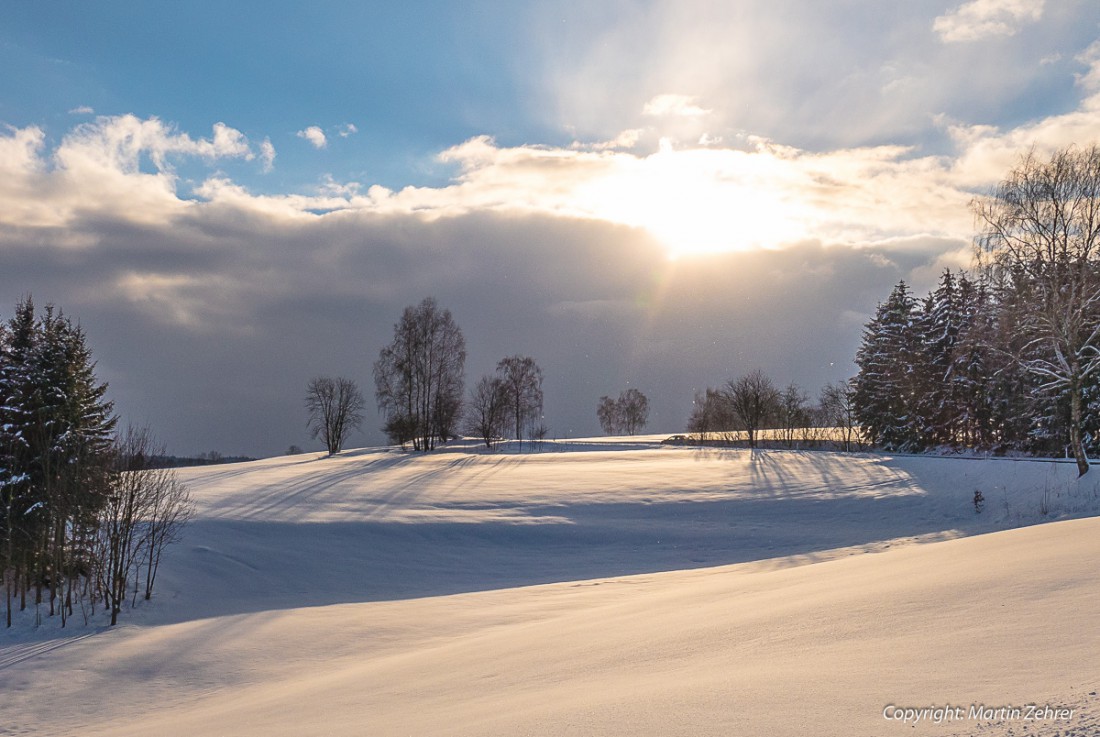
[[600, 587]]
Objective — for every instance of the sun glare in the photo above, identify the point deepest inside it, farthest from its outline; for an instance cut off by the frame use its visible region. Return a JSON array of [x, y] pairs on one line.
[[708, 219], [703, 201]]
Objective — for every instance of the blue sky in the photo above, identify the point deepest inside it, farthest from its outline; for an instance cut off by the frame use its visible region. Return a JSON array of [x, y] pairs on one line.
[[413, 78], [233, 197]]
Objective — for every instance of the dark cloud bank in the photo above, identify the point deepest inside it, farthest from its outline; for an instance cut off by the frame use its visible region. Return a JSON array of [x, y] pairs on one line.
[[209, 329]]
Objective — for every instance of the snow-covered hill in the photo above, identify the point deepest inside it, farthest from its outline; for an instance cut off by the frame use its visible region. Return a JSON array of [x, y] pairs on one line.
[[601, 587]]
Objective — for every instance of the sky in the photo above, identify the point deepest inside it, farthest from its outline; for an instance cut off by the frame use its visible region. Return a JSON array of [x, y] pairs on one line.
[[234, 198]]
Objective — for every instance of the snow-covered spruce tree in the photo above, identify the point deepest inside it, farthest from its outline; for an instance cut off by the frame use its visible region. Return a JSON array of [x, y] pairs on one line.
[[24, 513], [924, 381], [8, 568], [71, 435], [937, 396], [972, 367], [1014, 399], [57, 427], [1041, 228], [884, 397]]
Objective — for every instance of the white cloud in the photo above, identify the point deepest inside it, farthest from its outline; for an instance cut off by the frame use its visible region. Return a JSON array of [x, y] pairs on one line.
[[627, 139], [82, 110], [1090, 79], [978, 19], [834, 79], [986, 152], [267, 154], [117, 166], [706, 198], [348, 129], [708, 195], [120, 142], [683, 106], [314, 135]]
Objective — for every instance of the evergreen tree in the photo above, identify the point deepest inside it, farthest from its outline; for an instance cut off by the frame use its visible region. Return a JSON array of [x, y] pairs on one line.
[[70, 438], [24, 515], [56, 437], [885, 392], [972, 366], [938, 396], [1025, 413]]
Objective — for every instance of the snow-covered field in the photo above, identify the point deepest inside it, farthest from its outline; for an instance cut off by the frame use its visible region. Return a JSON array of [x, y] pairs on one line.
[[592, 588]]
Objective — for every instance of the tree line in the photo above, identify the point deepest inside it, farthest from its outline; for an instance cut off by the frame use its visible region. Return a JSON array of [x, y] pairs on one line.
[[743, 407], [419, 381], [1007, 360], [85, 516]]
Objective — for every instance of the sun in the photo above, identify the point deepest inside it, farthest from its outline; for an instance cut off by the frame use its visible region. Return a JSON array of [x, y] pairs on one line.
[[701, 201], [706, 220]]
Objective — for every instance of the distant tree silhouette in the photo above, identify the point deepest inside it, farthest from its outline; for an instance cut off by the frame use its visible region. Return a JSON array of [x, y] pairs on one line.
[[793, 413], [487, 410], [607, 412], [837, 405], [754, 400], [626, 415], [419, 376], [335, 408], [522, 381]]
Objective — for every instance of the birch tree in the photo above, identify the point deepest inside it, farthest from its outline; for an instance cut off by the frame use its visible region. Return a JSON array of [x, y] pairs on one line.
[[1040, 233], [522, 381], [419, 376], [487, 410]]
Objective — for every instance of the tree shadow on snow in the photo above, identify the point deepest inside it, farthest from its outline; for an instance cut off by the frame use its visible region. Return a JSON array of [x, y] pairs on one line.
[[239, 566]]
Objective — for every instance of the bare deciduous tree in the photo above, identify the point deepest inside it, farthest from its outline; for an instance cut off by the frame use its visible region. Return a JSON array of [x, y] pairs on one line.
[[837, 404], [335, 408], [607, 412], [522, 380], [419, 376], [633, 410], [487, 410], [753, 399], [1041, 238], [145, 512], [711, 413], [793, 415], [626, 415], [169, 508]]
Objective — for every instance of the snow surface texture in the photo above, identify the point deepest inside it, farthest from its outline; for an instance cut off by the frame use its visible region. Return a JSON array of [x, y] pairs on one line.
[[605, 587]]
